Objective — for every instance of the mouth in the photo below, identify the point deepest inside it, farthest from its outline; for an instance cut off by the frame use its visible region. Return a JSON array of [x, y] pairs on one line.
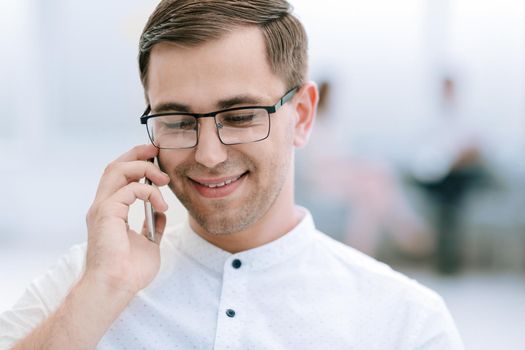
[[218, 187]]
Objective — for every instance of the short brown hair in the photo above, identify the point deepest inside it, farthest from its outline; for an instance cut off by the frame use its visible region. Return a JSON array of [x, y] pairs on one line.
[[193, 22]]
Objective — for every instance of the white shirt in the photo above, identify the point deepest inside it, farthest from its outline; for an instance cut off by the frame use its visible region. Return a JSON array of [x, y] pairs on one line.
[[301, 291]]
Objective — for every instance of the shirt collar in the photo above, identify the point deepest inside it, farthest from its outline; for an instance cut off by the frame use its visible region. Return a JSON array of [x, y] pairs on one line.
[[272, 253]]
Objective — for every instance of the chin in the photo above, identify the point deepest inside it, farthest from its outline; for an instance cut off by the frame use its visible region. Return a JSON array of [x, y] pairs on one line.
[[224, 221]]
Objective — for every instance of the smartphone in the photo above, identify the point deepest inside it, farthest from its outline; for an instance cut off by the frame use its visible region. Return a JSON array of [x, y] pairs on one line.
[[149, 212]]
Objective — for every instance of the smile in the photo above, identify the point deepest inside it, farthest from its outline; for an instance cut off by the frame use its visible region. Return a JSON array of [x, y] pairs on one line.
[[218, 188], [219, 184]]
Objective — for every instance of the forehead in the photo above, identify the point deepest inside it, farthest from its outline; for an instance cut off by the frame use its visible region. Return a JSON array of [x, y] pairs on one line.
[[235, 64]]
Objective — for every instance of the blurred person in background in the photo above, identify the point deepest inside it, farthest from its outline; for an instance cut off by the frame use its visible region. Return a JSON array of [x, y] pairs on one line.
[[366, 194], [448, 164], [248, 269]]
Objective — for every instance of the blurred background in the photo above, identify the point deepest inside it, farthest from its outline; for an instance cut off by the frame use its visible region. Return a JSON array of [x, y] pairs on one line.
[[417, 155]]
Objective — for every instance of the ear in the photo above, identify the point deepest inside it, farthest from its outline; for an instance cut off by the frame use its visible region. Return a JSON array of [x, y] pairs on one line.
[[305, 103]]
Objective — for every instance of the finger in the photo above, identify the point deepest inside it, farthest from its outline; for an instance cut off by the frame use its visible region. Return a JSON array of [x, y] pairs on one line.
[[140, 152], [118, 175], [118, 204], [160, 225]]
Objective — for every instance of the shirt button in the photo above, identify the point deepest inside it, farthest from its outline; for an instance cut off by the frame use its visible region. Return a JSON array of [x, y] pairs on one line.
[[236, 263], [230, 313]]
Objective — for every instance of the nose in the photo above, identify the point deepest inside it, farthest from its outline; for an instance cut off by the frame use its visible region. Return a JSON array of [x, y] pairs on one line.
[[210, 151]]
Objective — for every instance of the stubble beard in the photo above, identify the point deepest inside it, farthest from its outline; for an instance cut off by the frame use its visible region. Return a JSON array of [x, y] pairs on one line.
[[221, 217]]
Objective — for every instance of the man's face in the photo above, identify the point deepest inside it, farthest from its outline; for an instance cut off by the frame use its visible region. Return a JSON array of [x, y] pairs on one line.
[[226, 189]]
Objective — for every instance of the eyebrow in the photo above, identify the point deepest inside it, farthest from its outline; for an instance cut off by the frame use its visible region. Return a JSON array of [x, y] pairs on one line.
[[239, 100], [221, 104], [171, 107]]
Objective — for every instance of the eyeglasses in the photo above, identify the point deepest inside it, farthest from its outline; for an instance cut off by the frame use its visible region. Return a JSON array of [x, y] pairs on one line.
[[234, 125]]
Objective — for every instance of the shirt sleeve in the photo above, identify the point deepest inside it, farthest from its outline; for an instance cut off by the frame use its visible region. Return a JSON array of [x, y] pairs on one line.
[[42, 297], [437, 330]]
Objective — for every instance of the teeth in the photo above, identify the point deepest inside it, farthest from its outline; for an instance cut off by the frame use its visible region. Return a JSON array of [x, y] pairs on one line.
[[221, 184]]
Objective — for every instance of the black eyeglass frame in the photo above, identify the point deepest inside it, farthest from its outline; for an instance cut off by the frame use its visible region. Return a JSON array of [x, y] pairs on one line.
[[270, 109]]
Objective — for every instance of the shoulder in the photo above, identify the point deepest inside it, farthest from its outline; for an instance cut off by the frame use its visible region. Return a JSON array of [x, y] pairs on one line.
[[53, 285], [42, 296], [392, 300], [371, 276]]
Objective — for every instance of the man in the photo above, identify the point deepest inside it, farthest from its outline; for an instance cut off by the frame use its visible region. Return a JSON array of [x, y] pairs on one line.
[[248, 270]]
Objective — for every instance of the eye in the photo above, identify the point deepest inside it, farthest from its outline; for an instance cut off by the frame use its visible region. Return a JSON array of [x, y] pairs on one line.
[[178, 124], [242, 118], [238, 119]]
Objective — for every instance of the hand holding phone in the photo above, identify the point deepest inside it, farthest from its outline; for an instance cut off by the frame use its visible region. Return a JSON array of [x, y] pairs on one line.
[[118, 256]]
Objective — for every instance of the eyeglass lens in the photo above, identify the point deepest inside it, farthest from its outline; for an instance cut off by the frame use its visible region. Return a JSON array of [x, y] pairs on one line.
[[237, 126]]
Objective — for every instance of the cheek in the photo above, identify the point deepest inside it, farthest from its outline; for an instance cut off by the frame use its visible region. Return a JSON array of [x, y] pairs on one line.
[[289, 132], [282, 130], [164, 162], [277, 153], [169, 161], [171, 158]]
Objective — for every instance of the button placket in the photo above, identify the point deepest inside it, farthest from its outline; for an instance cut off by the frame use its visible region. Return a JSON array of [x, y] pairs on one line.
[[231, 306]]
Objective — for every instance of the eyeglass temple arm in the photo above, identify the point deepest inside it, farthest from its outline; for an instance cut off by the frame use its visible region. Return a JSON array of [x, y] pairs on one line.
[[286, 97]]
